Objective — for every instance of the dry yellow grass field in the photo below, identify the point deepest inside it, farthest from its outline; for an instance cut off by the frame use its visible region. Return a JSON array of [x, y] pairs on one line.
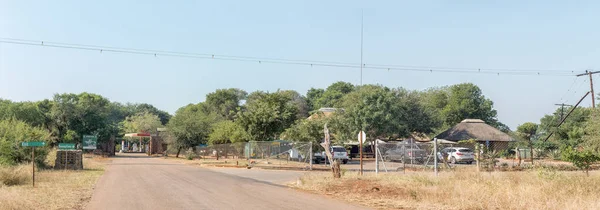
[[536, 189], [54, 189]]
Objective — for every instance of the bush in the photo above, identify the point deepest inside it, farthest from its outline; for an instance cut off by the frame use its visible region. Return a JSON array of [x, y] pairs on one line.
[[12, 133], [581, 159], [14, 175], [190, 155]]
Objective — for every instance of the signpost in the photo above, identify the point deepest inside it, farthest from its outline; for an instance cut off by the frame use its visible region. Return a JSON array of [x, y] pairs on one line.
[[33, 144], [89, 142], [66, 146], [361, 137]]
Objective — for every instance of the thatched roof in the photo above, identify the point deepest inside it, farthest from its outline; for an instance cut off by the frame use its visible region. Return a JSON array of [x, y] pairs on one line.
[[474, 129]]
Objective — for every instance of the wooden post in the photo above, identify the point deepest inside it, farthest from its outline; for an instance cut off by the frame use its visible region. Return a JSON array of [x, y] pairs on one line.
[[361, 151], [66, 160], [33, 164]]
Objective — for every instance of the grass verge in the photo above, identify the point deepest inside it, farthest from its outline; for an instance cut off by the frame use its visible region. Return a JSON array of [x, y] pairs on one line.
[[537, 189], [54, 189]]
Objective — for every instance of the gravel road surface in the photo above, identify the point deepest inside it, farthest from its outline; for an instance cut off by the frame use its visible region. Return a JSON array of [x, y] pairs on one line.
[[135, 181]]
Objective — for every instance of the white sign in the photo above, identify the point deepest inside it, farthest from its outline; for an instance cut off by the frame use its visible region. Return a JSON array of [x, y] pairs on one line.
[[364, 136]]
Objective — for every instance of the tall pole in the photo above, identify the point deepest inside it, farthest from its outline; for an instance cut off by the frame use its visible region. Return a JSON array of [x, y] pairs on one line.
[[361, 49], [360, 139], [562, 110], [590, 73], [592, 90]]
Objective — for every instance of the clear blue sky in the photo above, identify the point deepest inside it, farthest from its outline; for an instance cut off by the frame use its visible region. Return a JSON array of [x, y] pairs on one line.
[[481, 34]]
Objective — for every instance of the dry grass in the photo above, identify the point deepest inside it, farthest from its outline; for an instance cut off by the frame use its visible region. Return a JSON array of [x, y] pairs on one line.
[[14, 175], [54, 189], [540, 189]]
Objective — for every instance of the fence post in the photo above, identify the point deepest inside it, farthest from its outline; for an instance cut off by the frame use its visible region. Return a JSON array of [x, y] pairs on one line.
[[310, 155], [435, 157], [376, 157]]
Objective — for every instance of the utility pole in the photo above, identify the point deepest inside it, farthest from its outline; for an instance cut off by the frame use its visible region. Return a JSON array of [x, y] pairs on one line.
[[590, 73], [361, 47], [562, 110]]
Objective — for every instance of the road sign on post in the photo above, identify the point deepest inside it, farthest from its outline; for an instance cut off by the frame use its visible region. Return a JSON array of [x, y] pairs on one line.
[[89, 142], [33, 145], [66, 146], [361, 138]]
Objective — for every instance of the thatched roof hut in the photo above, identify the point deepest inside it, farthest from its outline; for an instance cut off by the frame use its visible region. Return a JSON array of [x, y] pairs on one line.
[[478, 130]]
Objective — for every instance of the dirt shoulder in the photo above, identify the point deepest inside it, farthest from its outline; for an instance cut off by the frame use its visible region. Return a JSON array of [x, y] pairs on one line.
[[55, 189], [535, 189]]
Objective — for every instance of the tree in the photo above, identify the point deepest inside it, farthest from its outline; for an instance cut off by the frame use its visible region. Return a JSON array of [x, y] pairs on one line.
[[312, 96], [590, 138], [583, 159], [225, 102], [191, 126], [145, 122], [466, 101], [227, 131], [12, 133], [132, 109], [571, 132], [83, 113], [266, 115], [333, 94], [305, 130], [298, 101], [527, 132]]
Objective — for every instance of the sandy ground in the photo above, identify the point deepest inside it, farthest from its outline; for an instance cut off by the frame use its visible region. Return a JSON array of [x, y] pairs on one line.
[[135, 181]]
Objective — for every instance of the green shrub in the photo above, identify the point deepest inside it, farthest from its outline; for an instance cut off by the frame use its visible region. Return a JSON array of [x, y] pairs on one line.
[[581, 159], [12, 133], [190, 155], [14, 175]]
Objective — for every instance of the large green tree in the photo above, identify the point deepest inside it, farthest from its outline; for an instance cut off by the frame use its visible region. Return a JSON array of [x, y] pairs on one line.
[[466, 101], [191, 126], [226, 132], [266, 115], [332, 96], [225, 102], [142, 122]]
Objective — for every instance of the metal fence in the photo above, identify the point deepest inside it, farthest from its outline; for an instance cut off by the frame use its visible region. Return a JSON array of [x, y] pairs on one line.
[[415, 156], [264, 154]]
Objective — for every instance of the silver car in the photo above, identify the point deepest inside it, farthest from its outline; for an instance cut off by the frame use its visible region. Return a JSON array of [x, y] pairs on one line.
[[459, 155]]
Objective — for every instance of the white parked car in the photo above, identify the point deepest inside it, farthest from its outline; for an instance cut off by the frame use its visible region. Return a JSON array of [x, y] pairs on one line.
[[339, 153], [459, 155]]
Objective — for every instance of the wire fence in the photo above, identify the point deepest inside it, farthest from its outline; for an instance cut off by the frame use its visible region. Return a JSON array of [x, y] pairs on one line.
[[265, 154], [380, 156]]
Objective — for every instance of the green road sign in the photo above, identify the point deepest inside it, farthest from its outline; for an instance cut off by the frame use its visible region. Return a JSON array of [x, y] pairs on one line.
[[89, 141], [66, 146], [33, 144]]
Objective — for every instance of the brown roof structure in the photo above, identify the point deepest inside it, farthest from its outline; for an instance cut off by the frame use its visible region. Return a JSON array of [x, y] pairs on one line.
[[474, 129]]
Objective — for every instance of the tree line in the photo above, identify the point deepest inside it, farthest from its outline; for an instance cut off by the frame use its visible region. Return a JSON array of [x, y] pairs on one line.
[[233, 115]]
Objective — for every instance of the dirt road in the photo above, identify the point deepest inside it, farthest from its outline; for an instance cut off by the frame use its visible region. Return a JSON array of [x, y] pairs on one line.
[[139, 182]]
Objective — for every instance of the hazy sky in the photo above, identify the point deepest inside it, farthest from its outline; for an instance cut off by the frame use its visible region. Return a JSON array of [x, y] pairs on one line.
[[479, 34]]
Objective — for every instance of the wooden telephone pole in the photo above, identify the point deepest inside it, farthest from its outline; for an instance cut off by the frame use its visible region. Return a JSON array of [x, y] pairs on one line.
[[562, 110], [590, 73]]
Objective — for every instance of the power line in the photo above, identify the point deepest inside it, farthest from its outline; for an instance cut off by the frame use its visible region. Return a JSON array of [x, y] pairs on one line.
[[310, 63], [571, 86]]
